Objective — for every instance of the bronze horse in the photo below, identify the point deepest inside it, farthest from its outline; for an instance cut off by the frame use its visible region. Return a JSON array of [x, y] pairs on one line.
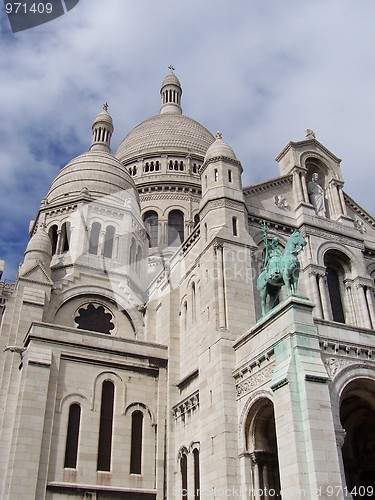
[[288, 274]]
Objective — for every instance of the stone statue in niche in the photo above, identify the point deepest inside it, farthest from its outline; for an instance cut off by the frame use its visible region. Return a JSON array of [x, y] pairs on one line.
[[316, 195]]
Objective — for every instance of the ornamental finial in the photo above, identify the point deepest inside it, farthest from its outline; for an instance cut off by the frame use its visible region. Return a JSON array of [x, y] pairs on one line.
[[219, 135], [105, 106], [171, 67]]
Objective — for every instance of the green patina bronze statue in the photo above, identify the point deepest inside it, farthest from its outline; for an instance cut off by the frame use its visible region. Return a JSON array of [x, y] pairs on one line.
[[280, 268]]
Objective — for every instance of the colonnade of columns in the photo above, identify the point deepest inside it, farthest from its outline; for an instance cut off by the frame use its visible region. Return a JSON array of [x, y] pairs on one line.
[[358, 302], [265, 476]]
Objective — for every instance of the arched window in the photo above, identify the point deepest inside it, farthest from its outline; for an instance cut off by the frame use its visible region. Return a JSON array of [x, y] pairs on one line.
[[52, 233], [196, 219], [337, 269], [72, 437], [216, 174], [136, 443], [94, 238], [229, 175], [197, 484], [335, 297], [108, 242], [175, 228], [184, 476], [151, 222], [106, 426], [65, 235]]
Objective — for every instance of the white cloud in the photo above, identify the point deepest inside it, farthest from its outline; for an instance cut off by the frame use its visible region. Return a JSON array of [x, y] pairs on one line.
[[261, 72]]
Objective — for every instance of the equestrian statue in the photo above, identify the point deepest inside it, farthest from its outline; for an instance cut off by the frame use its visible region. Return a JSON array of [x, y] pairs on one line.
[[280, 268]]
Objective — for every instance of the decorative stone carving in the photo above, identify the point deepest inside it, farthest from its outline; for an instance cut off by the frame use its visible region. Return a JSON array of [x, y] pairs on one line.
[[309, 134], [333, 365], [186, 407], [360, 225], [281, 202], [254, 381]]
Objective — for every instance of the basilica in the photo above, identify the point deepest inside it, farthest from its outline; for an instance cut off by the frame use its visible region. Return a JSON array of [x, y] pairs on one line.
[[175, 334]]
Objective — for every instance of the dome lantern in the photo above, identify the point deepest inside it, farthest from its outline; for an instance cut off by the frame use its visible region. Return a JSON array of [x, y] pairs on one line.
[[102, 130], [171, 92]]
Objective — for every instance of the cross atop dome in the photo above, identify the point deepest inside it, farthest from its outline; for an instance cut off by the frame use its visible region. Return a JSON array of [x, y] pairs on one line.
[[171, 67]]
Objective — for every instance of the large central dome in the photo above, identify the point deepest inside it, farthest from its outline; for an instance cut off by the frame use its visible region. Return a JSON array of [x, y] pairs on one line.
[[165, 133], [170, 132]]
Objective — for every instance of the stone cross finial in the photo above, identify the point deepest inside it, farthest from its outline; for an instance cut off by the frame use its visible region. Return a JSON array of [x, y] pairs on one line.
[[219, 135], [105, 106], [171, 67], [309, 134]]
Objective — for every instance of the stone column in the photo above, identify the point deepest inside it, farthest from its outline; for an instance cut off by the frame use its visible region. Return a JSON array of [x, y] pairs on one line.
[[304, 187], [247, 480], [298, 187], [335, 198], [363, 306], [322, 280], [342, 200], [162, 232], [370, 305], [340, 439], [116, 247], [256, 473], [350, 303], [59, 245], [315, 295], [101, 243]]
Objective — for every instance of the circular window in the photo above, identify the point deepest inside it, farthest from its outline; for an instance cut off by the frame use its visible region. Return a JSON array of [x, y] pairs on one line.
[[94, 317]]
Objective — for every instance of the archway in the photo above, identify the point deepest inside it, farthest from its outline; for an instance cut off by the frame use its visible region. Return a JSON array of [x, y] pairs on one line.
[[261, 444], [357, 415]]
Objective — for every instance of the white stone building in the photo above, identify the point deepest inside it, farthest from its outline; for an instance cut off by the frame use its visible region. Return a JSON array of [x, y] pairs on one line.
[[135, 362]]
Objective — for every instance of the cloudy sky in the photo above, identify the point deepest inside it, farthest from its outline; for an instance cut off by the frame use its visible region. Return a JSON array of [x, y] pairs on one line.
[[260, 71]]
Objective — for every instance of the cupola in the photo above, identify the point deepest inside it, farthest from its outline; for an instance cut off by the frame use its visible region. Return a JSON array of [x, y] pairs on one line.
[[171, 92], [39, 249], [221, 172], [102, 130]]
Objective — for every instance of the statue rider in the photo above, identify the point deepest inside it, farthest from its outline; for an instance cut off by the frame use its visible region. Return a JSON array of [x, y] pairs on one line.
[[273, 255]]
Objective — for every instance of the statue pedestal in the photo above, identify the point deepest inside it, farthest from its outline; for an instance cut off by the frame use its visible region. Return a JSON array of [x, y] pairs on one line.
[[307, 453]]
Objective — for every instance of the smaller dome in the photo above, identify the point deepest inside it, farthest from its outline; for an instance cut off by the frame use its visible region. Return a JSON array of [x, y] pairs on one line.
[[39, 249], [98, 172], [171, 79], [39, 242], [104, 116], [219, 148]]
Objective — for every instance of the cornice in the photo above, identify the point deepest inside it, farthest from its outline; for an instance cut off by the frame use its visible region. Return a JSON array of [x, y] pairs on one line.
[[269, 184], [359, 210]]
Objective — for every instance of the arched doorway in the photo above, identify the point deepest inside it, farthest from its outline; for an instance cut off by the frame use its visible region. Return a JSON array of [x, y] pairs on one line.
[[261, 446], [357, 415]]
